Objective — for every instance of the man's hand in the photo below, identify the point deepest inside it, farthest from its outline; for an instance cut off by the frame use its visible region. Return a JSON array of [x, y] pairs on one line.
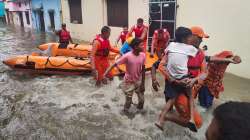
[[183, 82], [191, 82], [235, 60], [155, 85]]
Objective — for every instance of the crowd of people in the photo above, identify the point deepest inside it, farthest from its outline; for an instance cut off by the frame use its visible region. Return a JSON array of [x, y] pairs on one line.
[[188, 72]]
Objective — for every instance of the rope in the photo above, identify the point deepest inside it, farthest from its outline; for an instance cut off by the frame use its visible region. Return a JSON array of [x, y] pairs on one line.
[[67, 61]]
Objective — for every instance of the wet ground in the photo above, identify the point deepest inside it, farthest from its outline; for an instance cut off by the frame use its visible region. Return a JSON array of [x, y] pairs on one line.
[[35, 107]]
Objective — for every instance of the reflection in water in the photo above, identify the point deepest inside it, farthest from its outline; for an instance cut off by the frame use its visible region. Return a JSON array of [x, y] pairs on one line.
[[70, 107]]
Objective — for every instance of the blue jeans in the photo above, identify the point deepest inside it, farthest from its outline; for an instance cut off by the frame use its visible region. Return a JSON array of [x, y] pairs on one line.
[[205, 97]]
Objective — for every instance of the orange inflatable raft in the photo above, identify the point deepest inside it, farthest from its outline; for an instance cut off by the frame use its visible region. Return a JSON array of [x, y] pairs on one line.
[[73, 50], [61, 64]]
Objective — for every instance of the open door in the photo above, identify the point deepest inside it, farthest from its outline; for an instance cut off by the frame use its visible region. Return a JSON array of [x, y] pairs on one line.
[[21, 18], [41, 20], [52, 19]]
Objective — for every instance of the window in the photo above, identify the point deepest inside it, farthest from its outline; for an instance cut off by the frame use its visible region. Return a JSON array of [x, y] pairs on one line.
[[27, 17], [75, 9], [117, 12], [20, 4]]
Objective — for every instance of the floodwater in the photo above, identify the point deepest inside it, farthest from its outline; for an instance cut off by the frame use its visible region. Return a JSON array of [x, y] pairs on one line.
[[35, 107]]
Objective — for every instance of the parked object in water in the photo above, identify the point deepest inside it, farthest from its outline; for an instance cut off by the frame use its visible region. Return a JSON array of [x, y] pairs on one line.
[[61, 64]]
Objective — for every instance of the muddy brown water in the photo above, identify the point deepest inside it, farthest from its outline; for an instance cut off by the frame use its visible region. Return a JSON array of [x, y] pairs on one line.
[[38, 107]]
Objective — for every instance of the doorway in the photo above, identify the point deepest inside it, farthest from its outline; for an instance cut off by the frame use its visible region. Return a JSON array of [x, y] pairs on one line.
[[162, 14], [41, 20], [52, 19], [7, 16], [21, 18]]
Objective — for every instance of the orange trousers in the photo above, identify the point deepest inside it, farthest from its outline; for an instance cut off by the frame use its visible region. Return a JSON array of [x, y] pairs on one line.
[[182, 107], [101, 65]]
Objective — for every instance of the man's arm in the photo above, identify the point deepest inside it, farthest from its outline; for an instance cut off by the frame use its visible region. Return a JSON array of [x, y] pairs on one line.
[[155, 83], [144, 33], [109, 69], [142, 88], [130, 32], [57, 32], [153, 45], [222, 60], [162, 67], [117, 40], [70, 39]]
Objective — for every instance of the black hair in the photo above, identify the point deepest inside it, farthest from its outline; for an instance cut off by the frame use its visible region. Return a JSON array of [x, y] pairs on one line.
[[139, 20], [160, 31], [182, 33], [63, 25], [105, 29], [135, 42], [233, 120]]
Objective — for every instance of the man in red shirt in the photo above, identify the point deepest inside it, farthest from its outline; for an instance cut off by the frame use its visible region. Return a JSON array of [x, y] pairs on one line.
[[140, 30], [122, 35], [160, 41], [64, 36], [99, 55]]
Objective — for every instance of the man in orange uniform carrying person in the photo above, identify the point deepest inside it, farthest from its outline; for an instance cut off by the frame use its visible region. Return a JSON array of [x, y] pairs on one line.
[[99, 55], [160, 41], [140, 30]]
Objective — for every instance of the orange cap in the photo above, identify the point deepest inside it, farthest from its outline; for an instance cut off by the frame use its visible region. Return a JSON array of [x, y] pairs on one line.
[[199, 32]]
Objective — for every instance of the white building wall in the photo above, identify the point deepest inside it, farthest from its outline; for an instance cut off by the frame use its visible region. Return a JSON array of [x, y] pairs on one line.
[[94, 14], [227, 23]]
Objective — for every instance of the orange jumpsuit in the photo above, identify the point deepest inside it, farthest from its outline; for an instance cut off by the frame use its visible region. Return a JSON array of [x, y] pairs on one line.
[[101, 57], [159, 44]]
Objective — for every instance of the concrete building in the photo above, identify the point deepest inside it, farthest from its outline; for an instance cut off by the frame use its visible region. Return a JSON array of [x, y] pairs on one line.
[[46, 14], [226, 22], [18, 12]]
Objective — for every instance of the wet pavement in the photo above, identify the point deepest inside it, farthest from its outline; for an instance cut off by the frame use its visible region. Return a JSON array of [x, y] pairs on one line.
[[35, 107]]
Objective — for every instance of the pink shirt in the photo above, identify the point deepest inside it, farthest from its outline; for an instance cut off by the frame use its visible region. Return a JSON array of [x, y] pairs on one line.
[[133, 66]]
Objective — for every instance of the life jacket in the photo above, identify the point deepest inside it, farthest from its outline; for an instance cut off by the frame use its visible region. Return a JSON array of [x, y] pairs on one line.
[[123, 36], [161, 43], [138, 31], [64, 36], [195, 63], [103, 48]]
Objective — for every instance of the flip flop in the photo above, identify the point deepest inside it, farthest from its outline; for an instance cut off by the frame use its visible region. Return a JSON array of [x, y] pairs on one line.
[[158, 126], [192, 127]]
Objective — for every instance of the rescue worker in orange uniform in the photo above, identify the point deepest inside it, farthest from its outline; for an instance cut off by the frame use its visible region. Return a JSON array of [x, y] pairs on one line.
[[160, 41], [122, 35], [141, 31], [99, 55], [64, 36]]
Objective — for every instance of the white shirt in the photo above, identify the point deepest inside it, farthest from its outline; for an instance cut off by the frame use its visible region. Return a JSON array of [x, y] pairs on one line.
[[178, 54]]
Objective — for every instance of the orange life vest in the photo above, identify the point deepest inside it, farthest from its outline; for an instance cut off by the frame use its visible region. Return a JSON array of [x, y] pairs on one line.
[[195, 63], [161, 43], [103, 48], [64, 36], [123, 36], [139, 30]]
